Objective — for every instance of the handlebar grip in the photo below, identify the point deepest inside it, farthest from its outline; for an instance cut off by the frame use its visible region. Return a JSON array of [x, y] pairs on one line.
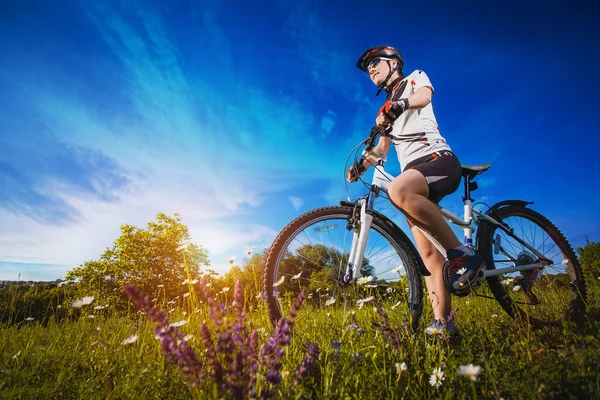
[[357, 169]]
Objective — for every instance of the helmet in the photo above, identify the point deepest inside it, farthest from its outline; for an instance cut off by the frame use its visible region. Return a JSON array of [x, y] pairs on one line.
[[379, 51]]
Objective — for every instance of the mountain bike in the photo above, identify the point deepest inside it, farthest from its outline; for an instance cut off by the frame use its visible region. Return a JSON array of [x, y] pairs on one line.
[[349, 255]]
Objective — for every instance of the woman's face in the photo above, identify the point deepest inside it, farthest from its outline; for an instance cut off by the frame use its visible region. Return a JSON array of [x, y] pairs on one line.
[[379, 68]]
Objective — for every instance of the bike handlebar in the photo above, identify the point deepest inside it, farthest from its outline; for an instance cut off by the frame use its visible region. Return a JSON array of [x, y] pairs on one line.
[[357, 168]]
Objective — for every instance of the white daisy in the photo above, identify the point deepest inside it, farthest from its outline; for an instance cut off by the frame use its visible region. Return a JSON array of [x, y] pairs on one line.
[[365, 300], [180, 323], [398, 269], [401, 367], [330, 301], [436, 378], [83, 302], [130, 340], [470, 371], [396, 305], [280, 281], [364, 279], [296, 276]]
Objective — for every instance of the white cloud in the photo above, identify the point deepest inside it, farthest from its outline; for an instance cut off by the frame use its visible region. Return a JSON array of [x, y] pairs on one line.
[[297, 202], [328, 122]]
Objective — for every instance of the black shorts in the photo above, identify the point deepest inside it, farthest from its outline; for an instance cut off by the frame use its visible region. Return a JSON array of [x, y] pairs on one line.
[[443, 173]]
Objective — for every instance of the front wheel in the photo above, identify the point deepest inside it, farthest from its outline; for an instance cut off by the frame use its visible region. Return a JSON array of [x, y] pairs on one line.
[[311, 253], [546, 295]]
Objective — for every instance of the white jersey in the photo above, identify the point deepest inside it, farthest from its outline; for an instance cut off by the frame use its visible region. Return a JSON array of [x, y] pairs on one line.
[[415, 133]]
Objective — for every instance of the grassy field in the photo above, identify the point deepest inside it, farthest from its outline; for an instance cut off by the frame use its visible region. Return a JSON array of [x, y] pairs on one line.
[[98, 354]]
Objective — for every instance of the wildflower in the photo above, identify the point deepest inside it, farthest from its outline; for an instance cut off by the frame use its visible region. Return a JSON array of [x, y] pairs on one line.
[[29, 319], [190, 282], [259, 295], [225, 289], [186, 294], [130, 340], [178, 324], [307, 363], [280, 281], [160, 285], [83, 302], [389, 290], [516, 288], [461, 271], [507, 281], [401, 367], [371, 286], [98, 328], [297, 276], [396, 305], [436, 378], [357, 328], [494, 315], [356, 356], [231, 259], [91, 316], [565, 261], [16, 355], [249, 251], [365, 300], [470, 371], [188, 337], [364, 279], [330, 301], [398, 269]]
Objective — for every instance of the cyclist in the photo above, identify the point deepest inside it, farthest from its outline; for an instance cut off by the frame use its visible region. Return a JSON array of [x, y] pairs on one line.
[[430, 172]]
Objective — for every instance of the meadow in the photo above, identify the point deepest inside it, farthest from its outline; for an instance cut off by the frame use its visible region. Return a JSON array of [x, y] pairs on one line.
[[85, 349]]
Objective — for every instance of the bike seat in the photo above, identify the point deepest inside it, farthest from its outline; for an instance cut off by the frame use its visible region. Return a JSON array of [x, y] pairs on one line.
[[473, 170]]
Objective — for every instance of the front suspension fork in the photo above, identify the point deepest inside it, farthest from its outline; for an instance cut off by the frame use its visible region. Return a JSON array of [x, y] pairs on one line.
[[359, 240]]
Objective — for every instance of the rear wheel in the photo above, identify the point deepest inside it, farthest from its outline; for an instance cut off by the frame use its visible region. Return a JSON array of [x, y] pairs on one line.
[[546, 295], [311, 253]]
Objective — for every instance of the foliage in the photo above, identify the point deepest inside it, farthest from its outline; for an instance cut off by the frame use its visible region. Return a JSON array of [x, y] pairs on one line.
[[37, 302], [157, 259]]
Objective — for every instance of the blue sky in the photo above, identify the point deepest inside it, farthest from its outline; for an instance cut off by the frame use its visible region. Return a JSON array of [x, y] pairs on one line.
[[239, 115]]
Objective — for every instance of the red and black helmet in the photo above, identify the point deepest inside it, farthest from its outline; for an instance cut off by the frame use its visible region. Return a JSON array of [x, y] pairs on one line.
[[379, 51]]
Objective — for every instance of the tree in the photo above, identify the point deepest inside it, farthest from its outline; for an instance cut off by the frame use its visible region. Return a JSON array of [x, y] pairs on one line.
[[157, 260], [589, 258]]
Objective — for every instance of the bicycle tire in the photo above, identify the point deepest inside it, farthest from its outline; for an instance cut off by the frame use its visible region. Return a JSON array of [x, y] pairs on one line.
[[530, 297], [381, 225]]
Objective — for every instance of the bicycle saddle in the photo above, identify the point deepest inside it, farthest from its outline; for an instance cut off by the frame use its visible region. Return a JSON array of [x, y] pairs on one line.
[[473, 170]]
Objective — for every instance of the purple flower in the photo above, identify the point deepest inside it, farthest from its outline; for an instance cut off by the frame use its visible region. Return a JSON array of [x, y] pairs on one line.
[[232, 360], [307, 363]]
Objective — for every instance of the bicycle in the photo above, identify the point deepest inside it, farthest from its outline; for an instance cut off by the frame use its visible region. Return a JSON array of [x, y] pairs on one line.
[[533, 275]]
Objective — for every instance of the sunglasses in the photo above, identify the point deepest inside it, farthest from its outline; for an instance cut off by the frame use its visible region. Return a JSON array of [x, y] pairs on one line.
[[376, 61]]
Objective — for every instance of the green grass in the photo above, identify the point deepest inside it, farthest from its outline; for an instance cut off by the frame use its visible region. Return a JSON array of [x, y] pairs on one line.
[[85, 358]]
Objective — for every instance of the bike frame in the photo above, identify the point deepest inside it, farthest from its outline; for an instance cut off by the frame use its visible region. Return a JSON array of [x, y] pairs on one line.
[[471, 218]]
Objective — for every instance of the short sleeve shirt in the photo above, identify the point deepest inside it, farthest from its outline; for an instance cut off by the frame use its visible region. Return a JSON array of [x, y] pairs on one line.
[[415, 133]]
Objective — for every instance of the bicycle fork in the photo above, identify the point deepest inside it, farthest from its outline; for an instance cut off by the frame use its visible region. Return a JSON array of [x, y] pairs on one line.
[[359, 240]]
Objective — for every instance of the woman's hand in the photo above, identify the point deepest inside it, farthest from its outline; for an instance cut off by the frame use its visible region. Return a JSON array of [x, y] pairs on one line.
[[382, 121]]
